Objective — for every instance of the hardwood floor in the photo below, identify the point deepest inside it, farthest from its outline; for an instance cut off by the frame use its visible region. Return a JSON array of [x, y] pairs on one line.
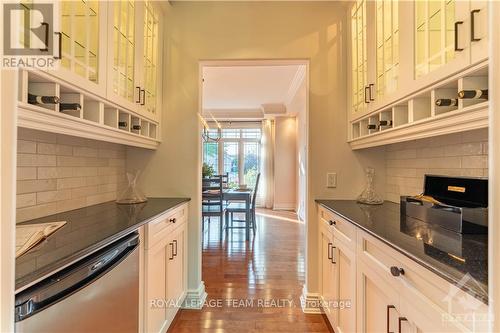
[[254, 286]]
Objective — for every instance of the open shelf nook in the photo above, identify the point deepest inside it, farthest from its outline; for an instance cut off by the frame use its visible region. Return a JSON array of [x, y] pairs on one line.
[[418, 115], [73, 111], [110, 117]]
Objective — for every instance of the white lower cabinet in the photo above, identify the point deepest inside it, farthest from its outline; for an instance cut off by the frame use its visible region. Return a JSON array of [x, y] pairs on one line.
[[176, 272], [165, 275], [327, 273], [415, 300], [338, 280], [377, 301], [345, 288], [156, 286]]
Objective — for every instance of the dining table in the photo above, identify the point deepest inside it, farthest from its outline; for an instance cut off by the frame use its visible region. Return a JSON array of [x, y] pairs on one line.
[[242, 195]]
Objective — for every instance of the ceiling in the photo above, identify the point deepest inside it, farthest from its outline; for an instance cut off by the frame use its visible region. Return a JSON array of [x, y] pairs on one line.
[[250, 92]]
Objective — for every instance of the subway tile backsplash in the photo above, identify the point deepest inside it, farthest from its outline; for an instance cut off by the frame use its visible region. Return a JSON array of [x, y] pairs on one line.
[[460, 154], [58, 173]]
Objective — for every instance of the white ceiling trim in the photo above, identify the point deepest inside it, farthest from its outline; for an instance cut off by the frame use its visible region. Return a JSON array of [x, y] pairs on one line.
[[234, 114]]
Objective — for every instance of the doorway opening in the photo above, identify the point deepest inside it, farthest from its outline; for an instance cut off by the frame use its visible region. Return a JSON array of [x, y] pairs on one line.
[[255, 120], [255, 146]]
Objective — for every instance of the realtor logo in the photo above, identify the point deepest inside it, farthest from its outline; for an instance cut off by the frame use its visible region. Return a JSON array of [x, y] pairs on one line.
[[28, 35]]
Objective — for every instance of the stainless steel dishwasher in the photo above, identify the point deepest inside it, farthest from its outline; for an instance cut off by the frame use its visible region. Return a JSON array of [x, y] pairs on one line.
[[99, 293]]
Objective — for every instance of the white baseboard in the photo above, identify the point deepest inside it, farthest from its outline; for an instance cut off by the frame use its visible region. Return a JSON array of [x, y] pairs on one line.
[[285, 206], [195, 298], [310, 302]]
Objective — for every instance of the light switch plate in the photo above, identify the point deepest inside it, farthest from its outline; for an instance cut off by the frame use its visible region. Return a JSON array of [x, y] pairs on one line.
[[331, 179]]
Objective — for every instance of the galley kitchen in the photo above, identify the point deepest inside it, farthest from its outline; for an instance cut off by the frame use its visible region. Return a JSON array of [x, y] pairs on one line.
[[249, 166]]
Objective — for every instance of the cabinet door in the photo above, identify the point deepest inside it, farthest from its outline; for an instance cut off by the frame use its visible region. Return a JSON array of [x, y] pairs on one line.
[[359, 57], [441, 37], [151, 73], [156, 286], [176, 272], [479, 30], [327, 274], [123, 87], [82, 28], [344, 271], [377, 302], [387, 47], [425, 316]]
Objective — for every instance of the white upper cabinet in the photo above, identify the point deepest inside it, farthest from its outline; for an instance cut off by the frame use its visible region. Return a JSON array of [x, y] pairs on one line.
[[479, 30], [151, 61], [390, 60], [359, 66], [441, 37], [122, 55], [80, 41], [133, 55], [387, 47]]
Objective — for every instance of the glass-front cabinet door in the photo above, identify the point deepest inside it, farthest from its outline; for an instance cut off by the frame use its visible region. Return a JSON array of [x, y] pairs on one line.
[[122, 85], [150, 58], [80, 37], [387, 47], [134, 56], [359, 65], [441, 36]]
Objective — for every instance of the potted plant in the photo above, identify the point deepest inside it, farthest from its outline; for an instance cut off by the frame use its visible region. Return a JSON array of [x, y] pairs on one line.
[[207, 170]]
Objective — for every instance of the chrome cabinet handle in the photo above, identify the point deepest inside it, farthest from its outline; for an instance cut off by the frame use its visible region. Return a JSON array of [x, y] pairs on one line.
[[175, 252], [389, 307], [456, 35], [330, 251], [370, 90], [334, 260], [472, 25]]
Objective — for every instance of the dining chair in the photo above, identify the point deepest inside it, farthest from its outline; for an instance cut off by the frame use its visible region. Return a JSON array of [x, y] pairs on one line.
[[212, 202], [240, 207]]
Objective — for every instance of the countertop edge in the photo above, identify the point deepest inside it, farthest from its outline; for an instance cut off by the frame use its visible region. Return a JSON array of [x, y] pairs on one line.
[[97, 246], [450, 279]]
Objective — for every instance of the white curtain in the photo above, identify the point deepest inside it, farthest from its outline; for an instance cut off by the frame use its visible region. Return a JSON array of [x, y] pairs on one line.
[[266, 185]]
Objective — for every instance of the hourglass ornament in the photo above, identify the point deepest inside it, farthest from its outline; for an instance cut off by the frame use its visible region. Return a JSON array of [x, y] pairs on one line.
[[368, 196]]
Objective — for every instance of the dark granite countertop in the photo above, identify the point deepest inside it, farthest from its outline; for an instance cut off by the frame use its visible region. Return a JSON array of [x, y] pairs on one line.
[[448, 254], [87, 230]]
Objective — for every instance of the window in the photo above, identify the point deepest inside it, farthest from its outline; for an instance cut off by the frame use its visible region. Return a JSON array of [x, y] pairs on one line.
[[251, 161], [237, 153], [211, 155]]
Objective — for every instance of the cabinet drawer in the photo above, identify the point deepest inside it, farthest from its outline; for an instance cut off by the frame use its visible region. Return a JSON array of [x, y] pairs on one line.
[[376, 254], [160, 227], [343, 230]]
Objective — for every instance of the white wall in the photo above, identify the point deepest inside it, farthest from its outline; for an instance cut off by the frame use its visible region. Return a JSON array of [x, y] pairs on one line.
[[285, 163]]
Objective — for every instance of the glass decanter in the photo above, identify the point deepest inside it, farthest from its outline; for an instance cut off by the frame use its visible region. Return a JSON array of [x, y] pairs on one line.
[[369, 196], [131, 195]]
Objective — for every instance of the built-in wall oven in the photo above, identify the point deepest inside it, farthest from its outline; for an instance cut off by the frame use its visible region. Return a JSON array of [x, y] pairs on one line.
[[99, 293]]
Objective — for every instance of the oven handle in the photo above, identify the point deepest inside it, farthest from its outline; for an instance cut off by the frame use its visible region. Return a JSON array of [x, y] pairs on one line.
[[74, 278]]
